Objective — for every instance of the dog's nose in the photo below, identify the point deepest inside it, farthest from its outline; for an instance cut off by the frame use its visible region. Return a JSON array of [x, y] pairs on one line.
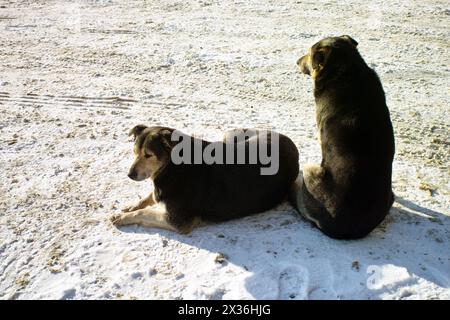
[[132, 175]]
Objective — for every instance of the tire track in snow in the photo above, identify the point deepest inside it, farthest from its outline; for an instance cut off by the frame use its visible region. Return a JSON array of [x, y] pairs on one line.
[[115, 102]]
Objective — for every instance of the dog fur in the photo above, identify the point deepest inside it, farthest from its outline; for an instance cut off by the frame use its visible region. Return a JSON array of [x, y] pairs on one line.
[[349, 193], [186, 195]]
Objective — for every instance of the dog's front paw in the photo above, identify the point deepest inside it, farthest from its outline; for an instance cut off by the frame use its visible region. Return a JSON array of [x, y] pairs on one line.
[[129, 208], [116, 219]]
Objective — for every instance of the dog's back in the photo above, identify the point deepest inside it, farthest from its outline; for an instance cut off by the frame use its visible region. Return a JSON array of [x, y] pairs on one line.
[[243, 189]]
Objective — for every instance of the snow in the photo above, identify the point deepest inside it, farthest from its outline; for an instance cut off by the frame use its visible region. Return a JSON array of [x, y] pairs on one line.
[[76, 76]]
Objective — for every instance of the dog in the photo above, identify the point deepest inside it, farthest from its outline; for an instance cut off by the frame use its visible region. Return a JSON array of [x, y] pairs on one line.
[[189, 194], [350, 192]]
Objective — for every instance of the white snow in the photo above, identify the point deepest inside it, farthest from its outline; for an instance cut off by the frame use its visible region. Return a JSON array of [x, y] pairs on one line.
[[205, 67]]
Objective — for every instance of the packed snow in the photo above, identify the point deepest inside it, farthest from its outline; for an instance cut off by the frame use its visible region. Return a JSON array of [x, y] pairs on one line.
[[75, 76]]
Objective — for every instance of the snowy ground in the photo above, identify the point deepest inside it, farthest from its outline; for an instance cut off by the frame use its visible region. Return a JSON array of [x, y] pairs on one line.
[[76, 76]]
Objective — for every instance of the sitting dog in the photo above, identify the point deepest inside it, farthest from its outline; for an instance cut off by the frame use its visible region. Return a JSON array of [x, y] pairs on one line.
[[189, 192], [349, 193]]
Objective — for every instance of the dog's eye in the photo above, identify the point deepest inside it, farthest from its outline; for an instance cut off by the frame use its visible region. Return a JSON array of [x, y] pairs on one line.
[[148, 155]]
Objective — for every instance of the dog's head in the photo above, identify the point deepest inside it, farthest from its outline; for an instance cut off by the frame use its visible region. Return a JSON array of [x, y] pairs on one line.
[[328, 54], [152, 149]]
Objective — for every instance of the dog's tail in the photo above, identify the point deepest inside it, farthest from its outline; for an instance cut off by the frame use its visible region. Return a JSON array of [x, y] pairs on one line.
[[295, 194]]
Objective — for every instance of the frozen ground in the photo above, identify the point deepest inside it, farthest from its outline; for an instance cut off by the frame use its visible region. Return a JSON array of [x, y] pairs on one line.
[[76, 76]]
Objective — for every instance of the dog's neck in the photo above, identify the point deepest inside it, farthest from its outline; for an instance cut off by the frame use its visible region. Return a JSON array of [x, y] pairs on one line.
[[158, 182], [155, 174], [335, 78], [163, 178], [339, 76]]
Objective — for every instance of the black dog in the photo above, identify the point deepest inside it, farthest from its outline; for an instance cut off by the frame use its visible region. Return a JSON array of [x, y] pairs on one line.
[[349, 193], [187, 193]]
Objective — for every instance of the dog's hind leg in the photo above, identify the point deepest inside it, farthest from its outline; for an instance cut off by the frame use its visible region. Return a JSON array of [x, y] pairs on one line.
[[309, 195], [298, 199], [148, 201], [318, 185], [151, 217]]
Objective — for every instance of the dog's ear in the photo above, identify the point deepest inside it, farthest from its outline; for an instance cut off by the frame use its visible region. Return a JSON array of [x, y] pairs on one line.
[[350, 40], [165, 137], [159, 142], [137, 130]]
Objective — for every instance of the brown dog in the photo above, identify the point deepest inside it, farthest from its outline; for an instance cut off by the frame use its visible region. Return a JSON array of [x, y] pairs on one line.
[[191, 192], [349, 193]]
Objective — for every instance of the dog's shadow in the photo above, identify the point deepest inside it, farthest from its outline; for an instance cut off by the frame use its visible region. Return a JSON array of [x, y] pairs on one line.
[[282, 256]]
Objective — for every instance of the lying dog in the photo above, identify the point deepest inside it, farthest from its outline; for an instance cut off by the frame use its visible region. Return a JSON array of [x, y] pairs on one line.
[[349, 193], [186, 194]]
